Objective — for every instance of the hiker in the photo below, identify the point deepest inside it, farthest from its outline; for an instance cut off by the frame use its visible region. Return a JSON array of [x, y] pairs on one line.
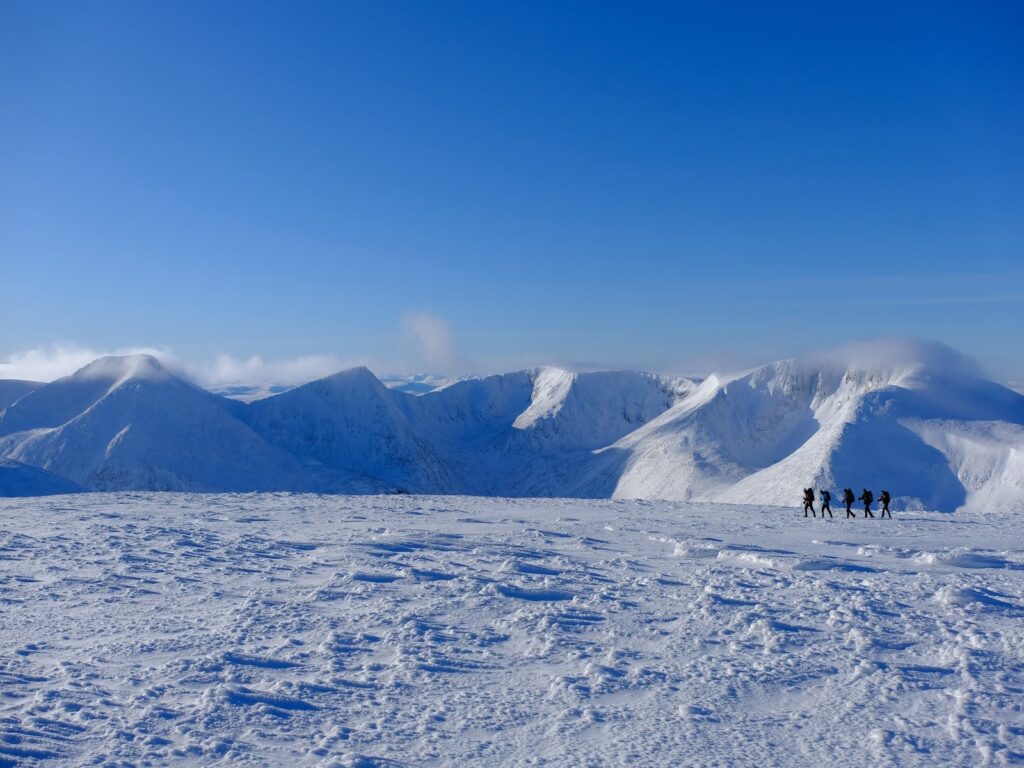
[[848, 499], [867, 497], [885, 498], [826, 502], [809, 501]]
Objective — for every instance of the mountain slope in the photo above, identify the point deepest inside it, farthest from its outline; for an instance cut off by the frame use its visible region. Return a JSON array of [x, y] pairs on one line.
[[762, 436], [12, 390], [17, 479], [526, 432], [349, 422]]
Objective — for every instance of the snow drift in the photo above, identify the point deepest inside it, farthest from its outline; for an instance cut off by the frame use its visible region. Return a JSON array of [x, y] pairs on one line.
[[917, 419]]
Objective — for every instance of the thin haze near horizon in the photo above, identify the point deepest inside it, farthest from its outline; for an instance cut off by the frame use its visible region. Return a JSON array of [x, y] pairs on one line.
[[280, 190]]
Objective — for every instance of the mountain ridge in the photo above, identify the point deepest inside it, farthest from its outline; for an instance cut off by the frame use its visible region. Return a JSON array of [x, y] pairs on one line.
[[930, 427]]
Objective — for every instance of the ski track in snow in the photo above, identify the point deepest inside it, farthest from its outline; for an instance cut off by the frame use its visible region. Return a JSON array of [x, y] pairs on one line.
[[275, 629]]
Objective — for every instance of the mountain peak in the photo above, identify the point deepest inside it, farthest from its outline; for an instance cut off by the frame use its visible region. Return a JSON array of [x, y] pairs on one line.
[[360, 376], [120, 368]]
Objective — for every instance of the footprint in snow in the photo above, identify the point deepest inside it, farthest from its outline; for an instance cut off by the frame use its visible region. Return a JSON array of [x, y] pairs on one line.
[[375, 578], [535, 595]]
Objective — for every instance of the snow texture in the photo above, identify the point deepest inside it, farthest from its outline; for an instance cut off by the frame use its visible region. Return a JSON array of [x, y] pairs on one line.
[[916, 420], [278, 629]]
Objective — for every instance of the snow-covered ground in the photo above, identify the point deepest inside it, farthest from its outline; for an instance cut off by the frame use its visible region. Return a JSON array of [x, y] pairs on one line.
[[177, 629]]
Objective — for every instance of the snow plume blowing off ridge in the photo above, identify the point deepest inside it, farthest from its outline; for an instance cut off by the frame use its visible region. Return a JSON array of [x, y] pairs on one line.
[[59, 360], [893, 354]]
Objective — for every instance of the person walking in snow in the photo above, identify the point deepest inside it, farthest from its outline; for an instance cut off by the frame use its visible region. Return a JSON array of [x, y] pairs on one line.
[[848, 499], [867, 497], [809, 501], [826, 502], [885, 498]]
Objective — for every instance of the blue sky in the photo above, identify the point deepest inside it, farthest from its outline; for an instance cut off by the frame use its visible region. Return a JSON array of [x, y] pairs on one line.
[[492, 185]]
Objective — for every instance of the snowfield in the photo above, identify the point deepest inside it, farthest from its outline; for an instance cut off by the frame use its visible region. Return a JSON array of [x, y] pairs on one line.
[[274, 629]]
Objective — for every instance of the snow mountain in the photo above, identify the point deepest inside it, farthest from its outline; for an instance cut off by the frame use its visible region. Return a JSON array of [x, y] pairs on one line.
[[351, 423], [936, 439], [932, 431], [126, 423], [528, 432]]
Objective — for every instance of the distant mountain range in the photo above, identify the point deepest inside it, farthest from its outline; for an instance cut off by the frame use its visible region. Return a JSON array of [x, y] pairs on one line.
[[938, 437]]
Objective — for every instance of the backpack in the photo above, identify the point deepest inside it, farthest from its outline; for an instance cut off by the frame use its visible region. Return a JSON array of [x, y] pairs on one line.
[[826, 496], [885, 496], [869, 497]]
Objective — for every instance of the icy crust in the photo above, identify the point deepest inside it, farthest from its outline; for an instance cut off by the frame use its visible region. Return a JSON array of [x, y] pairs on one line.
[[927, 428], [278, 629]]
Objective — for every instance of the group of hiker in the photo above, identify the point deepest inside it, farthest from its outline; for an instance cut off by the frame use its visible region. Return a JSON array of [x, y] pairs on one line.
[[826, 501]]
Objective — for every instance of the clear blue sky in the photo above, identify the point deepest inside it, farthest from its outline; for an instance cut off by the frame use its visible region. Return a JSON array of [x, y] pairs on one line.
[[618, 184]]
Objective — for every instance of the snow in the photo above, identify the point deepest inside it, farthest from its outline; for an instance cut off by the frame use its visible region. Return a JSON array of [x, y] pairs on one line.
[[12, 390], [276, 629], [918, 421], [419, 383], [17, 479], [352, 423], [763, 435], [126, 423]]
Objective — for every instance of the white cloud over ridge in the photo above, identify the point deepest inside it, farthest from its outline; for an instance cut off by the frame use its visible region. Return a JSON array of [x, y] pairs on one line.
[[428, 340], [892, 352], [54, 361], [430, 348], [227, 370]]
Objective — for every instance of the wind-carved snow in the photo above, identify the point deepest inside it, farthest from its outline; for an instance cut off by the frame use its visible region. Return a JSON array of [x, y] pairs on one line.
[[277, 629], [924, 426]]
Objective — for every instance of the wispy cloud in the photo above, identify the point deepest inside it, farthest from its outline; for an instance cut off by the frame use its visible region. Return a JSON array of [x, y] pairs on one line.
[[428, 339], [51, 362], [432, 349], [431, 342], [229, 371], [56, 360], [890, 352]]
